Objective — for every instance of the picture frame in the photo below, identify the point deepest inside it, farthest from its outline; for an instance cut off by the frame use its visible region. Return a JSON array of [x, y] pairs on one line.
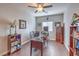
[[22, 24]]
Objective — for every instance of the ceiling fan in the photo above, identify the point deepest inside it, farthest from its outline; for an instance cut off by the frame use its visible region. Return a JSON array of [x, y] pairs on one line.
[[40, 7]]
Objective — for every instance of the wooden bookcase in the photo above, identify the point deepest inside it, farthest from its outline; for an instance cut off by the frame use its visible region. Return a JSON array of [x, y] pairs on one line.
[[14, 43], [73, 41], [71, 46]]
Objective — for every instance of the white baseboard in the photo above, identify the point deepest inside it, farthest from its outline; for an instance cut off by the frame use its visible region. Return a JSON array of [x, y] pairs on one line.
[[66, 47], [25, 42]]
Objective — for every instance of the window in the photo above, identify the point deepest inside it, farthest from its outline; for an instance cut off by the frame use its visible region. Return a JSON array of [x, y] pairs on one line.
[[48, 25]]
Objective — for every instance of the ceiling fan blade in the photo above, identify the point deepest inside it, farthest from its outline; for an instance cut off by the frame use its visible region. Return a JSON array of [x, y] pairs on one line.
[[44, 11], [48, 6], [36, 11], [32, 6]]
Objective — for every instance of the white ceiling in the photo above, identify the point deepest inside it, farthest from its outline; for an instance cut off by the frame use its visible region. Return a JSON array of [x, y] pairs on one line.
[[57, 8]]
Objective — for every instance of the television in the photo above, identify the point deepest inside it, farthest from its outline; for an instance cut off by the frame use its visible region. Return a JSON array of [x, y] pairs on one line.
[[46, 28]]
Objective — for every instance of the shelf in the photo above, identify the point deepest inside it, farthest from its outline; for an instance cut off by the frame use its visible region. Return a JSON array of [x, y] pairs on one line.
[[15, 50], [14, 41], [73, 26]]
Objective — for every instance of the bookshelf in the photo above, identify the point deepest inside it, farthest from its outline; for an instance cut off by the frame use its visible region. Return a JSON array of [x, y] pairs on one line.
[[74, 37], [71, 46], [14, 43]]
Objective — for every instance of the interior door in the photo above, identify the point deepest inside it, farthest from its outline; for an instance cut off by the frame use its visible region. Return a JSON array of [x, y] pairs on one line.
[[59, 32]]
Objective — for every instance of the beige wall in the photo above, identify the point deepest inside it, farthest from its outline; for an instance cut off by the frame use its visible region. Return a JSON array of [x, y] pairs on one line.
[[3, 36], [9, 14]]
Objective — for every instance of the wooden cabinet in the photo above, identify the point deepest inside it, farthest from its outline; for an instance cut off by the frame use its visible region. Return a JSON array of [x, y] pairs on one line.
[[14, 43], [60, 34]]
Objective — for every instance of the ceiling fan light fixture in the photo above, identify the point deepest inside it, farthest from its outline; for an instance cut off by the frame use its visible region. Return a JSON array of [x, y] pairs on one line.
[[40, 9]]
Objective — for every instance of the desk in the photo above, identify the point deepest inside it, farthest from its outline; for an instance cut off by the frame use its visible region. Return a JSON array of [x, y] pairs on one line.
[[38, 44]]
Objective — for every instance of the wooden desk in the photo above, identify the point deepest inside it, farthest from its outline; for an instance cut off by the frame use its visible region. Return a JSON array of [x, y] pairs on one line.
[[38, 45]]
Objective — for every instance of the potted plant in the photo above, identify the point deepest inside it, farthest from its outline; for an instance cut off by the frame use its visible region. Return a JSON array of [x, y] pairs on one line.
[[74, 18]]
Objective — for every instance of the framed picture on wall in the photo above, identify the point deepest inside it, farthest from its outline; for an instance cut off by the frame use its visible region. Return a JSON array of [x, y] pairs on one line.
[[22, 24]]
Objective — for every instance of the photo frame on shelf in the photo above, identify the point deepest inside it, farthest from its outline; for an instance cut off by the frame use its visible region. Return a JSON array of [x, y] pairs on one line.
[[22, 24]]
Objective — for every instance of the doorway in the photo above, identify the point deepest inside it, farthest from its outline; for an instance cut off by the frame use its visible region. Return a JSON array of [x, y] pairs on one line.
[[48, 26]]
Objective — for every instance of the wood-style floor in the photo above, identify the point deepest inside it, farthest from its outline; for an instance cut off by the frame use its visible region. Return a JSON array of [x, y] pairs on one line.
[[53, 49]]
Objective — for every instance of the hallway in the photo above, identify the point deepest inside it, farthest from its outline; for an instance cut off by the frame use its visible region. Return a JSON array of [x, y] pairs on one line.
[[53, 49]]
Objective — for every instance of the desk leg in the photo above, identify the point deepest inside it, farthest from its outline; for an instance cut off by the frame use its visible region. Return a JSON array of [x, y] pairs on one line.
[[41, 49], [47, 42], [31, 49]]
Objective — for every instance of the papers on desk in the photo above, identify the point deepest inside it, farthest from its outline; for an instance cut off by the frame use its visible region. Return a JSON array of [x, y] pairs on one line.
[[37, 39]]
